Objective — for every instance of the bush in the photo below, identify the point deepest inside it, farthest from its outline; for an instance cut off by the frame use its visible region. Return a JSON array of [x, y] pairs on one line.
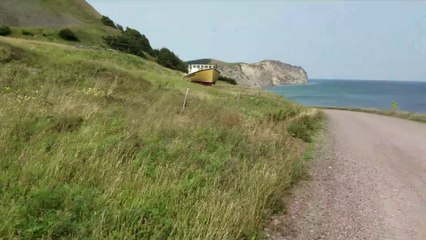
[[119, 27], [27, 33], [168, 59], [130, 41], [5, 30], [68, 35], [108, 22], [133, 42], [228, 80]]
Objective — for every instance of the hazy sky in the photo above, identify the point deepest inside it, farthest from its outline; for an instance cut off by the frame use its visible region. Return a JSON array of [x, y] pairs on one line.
[[383, 40]]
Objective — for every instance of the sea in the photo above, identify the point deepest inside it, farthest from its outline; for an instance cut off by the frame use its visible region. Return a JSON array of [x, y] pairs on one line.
[[409, 96]]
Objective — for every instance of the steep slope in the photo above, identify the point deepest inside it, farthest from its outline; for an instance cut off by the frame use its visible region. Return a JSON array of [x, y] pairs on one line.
[[42, 13], [43, 19], [261, 74]]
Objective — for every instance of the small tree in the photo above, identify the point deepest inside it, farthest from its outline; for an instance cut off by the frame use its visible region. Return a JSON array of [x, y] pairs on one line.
[[68, 35], [5, 30], [108, 22], [168, 59], [130, 41], [119, 27]]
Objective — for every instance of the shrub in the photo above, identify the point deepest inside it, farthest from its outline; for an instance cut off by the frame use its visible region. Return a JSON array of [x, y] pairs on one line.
[[168, 59], [284, 114], [27, 33], [68, 35], [108, 22], [133, 42], [304, 127], [119, 27], [5, 30], [130, 41], [228, 80]]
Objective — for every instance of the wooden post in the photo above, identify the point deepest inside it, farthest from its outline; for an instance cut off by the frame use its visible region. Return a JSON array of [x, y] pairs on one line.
[[184, 101], [239, 94]]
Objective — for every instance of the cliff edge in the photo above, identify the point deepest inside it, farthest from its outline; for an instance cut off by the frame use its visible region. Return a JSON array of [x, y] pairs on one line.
[[261, 74]]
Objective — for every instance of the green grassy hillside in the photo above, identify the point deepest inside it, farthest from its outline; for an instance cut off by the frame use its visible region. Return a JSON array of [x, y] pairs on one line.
[[95, 145], [42, 20], [47, 13]]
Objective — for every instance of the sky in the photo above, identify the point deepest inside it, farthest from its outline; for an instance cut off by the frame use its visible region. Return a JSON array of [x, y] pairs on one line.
[[374, 40]]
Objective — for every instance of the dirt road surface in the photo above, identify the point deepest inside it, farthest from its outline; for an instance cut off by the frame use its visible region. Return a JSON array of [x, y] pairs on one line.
[[367, 181]]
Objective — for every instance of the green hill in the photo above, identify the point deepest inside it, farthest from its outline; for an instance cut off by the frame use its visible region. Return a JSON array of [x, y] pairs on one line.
[[42, 20], [47, 13], [95, 145]]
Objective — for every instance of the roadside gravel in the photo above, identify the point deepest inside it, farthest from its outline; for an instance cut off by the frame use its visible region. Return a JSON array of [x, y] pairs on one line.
[[367, 181]]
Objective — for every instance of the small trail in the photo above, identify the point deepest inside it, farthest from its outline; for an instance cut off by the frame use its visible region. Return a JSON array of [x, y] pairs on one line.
[[368, 181]]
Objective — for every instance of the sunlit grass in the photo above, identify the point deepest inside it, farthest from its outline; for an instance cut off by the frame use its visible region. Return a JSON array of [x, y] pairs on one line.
[[95, 145]]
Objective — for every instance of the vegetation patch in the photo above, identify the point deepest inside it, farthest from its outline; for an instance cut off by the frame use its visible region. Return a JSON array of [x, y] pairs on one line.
[[9, 53], [94, 145], [228, 80], [27, 33], [56, 212], [305, 127], [5, 30], [68, 35], [130, 41], [108, 22], [133, 42], [169, 59]]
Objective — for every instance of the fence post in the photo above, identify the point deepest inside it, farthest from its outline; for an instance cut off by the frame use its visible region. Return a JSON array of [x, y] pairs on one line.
[[184, 101]]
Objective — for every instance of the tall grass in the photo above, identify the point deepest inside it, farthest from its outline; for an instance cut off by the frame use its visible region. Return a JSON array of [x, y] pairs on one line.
[[94, 145]]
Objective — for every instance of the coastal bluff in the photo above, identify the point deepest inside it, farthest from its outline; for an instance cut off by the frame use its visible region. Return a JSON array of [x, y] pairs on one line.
[[261, 74]]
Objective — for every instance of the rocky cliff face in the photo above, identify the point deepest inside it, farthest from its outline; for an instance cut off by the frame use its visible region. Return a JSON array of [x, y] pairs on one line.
[[264, 73]]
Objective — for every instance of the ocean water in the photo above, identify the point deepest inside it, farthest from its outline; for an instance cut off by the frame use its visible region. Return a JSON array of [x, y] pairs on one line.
[[410, 96]]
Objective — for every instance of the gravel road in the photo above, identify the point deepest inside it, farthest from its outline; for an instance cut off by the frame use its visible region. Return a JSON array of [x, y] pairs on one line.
[[367, 181]]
